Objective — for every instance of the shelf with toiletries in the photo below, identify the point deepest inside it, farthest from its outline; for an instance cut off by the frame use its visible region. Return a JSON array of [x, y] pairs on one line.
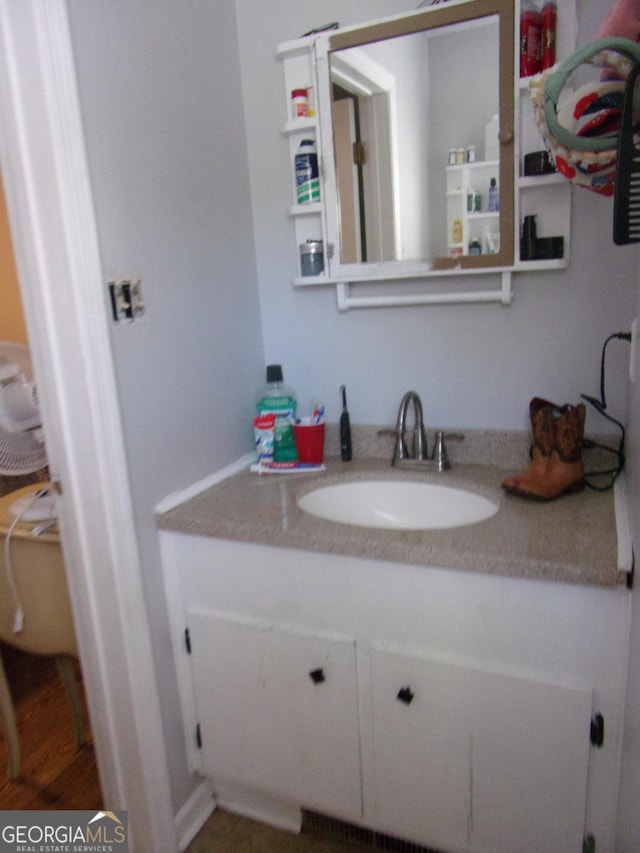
[[543, 193], [543, 196], [473, 225], [301, 126]]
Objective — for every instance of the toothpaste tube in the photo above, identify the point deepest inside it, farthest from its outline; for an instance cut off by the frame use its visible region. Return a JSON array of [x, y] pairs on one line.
[[264, 434], [286, 468]]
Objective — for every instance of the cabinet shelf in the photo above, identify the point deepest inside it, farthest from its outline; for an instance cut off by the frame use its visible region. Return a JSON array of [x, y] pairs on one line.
[[300, 125], [314, 207], [533, 181], [542, 266], [308, 280], [480, 214]]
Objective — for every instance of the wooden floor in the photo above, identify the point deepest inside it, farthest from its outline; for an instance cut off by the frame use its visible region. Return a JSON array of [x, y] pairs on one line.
[[54, 774]]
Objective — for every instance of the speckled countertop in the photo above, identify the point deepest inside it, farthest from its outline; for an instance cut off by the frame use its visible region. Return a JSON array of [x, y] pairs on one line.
[[571, 540]]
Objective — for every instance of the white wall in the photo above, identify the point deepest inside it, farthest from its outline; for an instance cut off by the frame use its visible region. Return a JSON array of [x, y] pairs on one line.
[[162, 107]]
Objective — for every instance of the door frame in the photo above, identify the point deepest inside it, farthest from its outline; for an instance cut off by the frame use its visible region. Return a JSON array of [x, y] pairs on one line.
[[53, 226]]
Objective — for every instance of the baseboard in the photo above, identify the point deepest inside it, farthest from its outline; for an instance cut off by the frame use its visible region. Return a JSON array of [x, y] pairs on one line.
[[259, 806], [194, 813]]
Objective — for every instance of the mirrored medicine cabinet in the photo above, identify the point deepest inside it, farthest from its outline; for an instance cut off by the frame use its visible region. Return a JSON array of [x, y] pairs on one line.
[[415, 121]]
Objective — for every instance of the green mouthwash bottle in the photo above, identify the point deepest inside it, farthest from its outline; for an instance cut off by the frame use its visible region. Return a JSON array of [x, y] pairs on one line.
[[277, 398]]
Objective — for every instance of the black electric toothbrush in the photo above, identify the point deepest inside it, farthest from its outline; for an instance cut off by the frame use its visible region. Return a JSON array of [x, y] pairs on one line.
[[345, 428]]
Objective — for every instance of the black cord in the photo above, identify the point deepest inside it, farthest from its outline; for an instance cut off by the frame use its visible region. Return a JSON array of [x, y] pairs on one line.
[[600, 406]]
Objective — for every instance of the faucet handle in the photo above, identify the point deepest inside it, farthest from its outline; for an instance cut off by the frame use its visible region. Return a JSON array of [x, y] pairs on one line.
[[400, 450], [440, 454]]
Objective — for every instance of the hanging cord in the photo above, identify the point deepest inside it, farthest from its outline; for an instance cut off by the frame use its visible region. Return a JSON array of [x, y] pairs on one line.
[[600, 406], [18, 617]]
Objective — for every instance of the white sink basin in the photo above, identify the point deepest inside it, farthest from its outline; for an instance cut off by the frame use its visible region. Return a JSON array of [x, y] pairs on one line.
[[397, 505]]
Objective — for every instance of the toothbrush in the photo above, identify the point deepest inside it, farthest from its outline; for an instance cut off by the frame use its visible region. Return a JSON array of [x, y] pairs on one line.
[[345, 428]]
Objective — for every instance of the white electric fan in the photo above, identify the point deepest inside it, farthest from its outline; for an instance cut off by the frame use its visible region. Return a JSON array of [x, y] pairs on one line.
[[22, 448]]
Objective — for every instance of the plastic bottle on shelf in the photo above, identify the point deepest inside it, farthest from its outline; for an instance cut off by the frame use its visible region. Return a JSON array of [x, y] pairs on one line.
[[530, 38], [299, 103], [529, 239], [311, 101], [493, 202], [456, 231], [306, 169], [549, 24], [276, 398], [490, 241]]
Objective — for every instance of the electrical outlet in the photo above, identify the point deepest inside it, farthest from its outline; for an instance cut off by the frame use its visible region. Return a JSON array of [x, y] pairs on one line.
[[632, 355]]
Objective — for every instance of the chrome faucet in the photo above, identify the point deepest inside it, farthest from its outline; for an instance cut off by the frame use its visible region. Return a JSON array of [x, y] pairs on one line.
[[419, 456], [419, 437]]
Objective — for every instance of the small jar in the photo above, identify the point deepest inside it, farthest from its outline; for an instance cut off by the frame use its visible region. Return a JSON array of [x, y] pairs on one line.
[[311, 258]]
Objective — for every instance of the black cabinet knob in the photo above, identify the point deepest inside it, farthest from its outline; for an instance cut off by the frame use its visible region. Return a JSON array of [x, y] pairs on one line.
[[317, 676], [405, 694]]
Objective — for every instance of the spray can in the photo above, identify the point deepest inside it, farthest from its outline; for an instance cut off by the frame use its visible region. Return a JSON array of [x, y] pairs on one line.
[[549, 24], [307, 175], [530, 37]]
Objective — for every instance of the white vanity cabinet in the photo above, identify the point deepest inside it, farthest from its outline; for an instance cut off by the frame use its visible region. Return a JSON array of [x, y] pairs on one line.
[[452, 709]]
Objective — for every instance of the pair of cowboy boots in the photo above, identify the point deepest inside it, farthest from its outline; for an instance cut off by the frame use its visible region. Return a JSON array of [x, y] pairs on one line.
[[556, 466]]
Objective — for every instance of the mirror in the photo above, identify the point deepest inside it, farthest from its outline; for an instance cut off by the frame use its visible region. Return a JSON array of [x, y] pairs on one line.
[[416, 122]]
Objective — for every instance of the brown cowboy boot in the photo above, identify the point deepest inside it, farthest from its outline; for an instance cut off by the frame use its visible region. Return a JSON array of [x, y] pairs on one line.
[[556, 466]]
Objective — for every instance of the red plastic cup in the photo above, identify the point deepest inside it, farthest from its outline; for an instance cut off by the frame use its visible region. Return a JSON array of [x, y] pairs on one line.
[[309, 442]]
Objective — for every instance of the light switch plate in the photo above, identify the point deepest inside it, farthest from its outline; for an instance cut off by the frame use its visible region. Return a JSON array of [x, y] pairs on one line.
[[126, 299]]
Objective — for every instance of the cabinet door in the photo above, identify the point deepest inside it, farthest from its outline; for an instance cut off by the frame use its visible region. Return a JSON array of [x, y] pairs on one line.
[[468, 759], [278, 710]]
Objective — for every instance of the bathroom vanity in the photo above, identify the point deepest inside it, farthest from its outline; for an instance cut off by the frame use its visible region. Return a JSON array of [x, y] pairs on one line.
[[462, 689]]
